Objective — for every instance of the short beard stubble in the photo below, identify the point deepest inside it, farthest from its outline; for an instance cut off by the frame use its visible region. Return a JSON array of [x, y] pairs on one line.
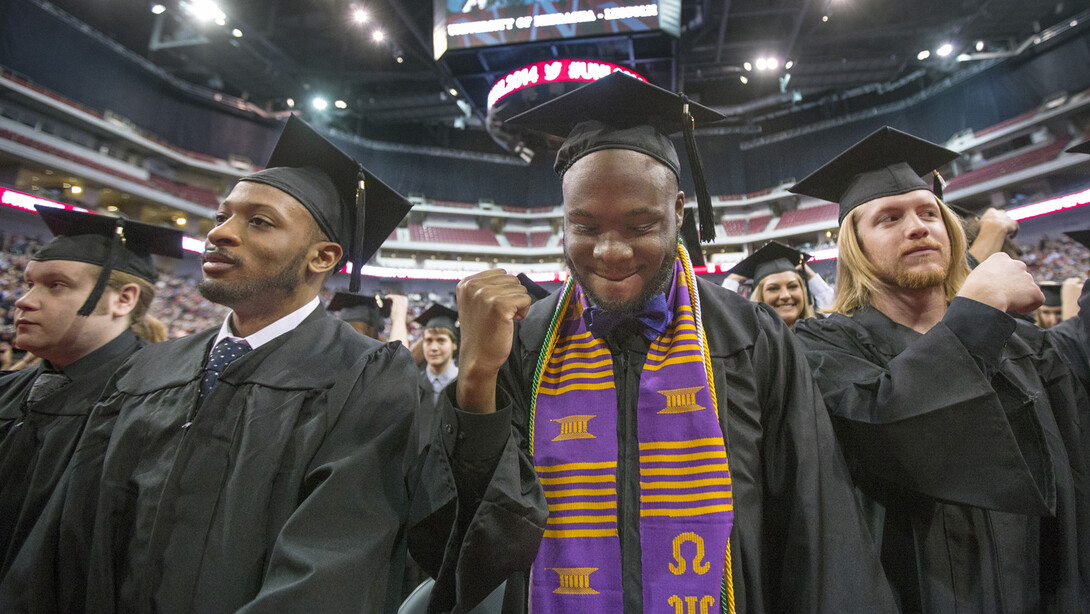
[[267, 290]]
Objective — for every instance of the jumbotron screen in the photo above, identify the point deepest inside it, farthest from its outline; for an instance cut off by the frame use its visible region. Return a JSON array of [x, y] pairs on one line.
[[462, 24]]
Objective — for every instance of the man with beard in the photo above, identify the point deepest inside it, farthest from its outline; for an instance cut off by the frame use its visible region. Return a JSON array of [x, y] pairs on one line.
[[84, 295], [640, 440], [256, 466], [960, 423]]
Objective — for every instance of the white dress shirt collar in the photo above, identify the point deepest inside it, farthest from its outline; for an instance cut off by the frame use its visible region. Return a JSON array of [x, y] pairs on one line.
[[285, 324]]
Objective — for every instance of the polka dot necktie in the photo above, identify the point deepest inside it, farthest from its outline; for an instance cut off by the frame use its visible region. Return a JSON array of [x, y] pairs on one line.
[[222, 355]]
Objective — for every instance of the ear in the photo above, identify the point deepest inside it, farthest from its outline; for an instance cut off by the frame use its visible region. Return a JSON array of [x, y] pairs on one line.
[[124, 300], [679, 207], [324, 256]]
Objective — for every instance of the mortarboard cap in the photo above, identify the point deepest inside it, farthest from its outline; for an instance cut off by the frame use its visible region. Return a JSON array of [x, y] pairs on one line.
[[351, 206], [536, 291], [1083, 148], [360, 308], [113, 243], [622, 112], [1080, 236], [438, 316], [773, 257], [691, 239], [1051, 290], [886, 163]]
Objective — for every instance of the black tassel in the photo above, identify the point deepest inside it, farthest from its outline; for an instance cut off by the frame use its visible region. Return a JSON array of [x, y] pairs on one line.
[[937, 185], [355, 252], [703, 199], [107, 267]]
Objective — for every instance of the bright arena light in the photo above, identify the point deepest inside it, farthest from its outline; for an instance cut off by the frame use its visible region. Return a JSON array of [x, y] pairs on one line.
[[158, 9], [945, 50], [378, 36], [923, 55], [360, 16], [340, 104], [761, 63], [203, 10], [320, 104]]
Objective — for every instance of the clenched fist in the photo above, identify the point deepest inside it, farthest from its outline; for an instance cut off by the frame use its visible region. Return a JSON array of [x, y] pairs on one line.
[[1003, 283], [489, 303]]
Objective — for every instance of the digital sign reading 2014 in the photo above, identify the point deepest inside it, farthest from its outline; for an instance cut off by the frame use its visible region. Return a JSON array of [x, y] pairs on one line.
[[461, 24]]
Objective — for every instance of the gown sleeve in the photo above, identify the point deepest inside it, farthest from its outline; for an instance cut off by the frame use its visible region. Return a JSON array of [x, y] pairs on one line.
[[938, 418], [478, 511]]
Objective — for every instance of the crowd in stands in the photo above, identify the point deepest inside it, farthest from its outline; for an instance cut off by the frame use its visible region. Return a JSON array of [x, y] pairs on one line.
[[1056, 259]]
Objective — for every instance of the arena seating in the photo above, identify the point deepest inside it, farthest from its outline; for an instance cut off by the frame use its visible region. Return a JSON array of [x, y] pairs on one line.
[[798, 217], [517, 239], [453, 204], [191, 193], [735, 227], [1033, 157], [1003, 124], [757, 223], [441, 234]]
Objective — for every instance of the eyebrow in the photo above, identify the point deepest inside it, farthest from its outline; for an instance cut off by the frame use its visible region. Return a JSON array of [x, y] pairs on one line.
[[577, 212], [251, 207]]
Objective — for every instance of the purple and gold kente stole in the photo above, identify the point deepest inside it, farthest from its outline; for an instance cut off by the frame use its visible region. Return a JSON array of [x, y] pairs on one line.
[[686, 506]]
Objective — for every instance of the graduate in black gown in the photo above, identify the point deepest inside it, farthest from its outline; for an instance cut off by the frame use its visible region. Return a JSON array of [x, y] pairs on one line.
[[273, 483], [82, 335], [961, 424], [798, 542], [440, 341]]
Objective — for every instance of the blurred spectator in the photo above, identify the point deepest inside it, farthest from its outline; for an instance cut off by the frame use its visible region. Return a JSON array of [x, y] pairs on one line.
[[1056, 259]]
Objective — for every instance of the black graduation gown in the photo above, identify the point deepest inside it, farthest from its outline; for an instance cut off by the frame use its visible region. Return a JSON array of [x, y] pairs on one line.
[[1072, 338], [285, 493], [963, 445], [799, 542], [38, 440], [427, 415]]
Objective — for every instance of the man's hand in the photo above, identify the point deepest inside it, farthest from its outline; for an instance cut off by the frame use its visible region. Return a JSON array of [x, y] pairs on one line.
[[1069, 297], [995, 227], [1003, 283], [399, 309], [489, 303], [739, 279], [999, 221]]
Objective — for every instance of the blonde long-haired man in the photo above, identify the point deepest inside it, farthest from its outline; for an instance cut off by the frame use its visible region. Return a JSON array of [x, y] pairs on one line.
[[966, 457]]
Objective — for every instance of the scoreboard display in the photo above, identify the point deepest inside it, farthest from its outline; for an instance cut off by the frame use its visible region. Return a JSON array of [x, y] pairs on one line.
[[464, 24]]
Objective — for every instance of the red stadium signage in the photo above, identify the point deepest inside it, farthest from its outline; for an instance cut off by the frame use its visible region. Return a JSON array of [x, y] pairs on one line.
[[554, 71]]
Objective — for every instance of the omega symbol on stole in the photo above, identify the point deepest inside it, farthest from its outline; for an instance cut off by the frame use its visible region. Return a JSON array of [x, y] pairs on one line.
[[681, 400], [689, 604], [573, 427]]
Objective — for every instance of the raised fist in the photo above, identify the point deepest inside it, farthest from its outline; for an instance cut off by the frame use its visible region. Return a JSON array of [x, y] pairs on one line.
[[1003, 283], [489, 303]]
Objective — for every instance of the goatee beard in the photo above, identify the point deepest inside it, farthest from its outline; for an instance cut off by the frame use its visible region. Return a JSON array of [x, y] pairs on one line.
[[269, 289], [656, 285]]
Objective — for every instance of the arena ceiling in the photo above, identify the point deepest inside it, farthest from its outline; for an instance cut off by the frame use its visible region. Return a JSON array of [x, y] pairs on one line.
[[845, 54]]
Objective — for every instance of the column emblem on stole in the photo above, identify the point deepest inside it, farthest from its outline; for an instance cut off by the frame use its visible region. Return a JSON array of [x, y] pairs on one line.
[[575, 580], [681, 400], [573, 427]]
